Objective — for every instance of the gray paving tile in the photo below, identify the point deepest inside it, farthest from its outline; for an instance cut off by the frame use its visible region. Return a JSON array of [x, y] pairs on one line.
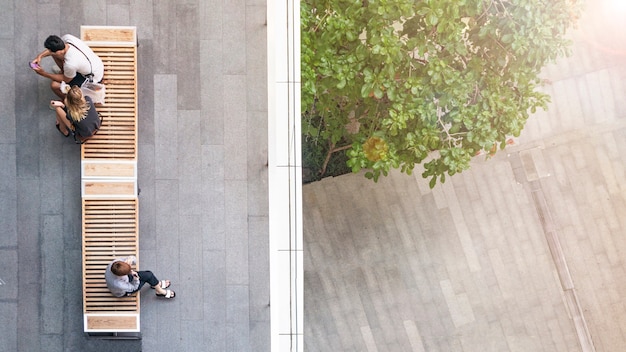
[[258, 259], [8, 201], [7, 21], [165, 117], [191, 125], [212, 91], [260, 336], [53, 343], [27, 145], [8, 123], [164, 32], [8, 276], [234, 53], [52, 179], [191, 335], [191, 255], [143, 20], [187, 42], [257, 164], [212, 18], [147, 197], [146, 91], [8, 66], [256, 67], [237, 336], [118, 14], [236, 233], [215, 334], [52, 261], [235, 137], [9, 342], [214, 286]]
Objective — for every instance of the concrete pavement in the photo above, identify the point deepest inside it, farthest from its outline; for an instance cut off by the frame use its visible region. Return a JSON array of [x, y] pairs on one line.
[[202, 174]]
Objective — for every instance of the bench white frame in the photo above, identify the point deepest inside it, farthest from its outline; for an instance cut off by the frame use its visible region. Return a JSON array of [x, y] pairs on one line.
[[109, 185]]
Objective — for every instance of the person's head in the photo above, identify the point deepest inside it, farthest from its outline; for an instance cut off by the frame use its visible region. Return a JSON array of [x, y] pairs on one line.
[[54, 43], [76, 104], [74, 96], [120, 268]]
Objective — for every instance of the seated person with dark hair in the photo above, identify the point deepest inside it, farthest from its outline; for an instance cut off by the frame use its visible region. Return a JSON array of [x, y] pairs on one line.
[[123, 281], [74, 59]]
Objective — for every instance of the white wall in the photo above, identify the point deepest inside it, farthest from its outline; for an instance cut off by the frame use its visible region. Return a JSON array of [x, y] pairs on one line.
[[285, 175]]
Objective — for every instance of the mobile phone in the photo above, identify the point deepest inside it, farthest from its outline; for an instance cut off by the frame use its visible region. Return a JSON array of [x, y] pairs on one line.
[[33, 65]]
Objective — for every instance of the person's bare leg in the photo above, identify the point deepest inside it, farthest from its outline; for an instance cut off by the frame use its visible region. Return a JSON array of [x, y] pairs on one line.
[[56, 88], [61, 120], [160, 290]]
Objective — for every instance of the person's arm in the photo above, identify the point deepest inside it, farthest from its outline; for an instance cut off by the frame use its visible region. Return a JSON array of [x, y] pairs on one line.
[[135, 282], [59, 107], [128, 286], [57, 77], [37, 60]]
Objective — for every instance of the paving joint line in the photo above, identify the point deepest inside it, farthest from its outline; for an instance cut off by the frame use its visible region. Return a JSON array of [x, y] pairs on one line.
[[558, 258]]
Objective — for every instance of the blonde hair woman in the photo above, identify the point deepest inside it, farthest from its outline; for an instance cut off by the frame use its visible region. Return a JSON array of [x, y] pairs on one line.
[[78, 114]]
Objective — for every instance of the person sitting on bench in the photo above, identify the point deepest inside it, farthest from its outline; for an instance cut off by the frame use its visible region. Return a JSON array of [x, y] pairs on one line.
[[75, 62], [123, 281], [76, 113]]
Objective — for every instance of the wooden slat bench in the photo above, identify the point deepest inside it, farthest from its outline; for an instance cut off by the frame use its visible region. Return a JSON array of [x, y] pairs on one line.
[[109, 185], [109, 231]]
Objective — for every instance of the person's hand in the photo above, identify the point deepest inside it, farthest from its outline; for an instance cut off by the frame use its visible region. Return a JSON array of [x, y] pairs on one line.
[[39, 70], [135, 275], [56, 104]]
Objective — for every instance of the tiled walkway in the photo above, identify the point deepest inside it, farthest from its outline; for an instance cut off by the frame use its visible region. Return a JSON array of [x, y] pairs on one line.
[[474, 265], [202, 174]]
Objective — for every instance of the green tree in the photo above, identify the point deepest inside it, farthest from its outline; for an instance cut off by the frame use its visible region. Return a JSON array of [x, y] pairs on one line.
[[397, 83]]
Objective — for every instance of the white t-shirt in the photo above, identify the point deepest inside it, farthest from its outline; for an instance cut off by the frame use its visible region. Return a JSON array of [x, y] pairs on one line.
[[76, 62]]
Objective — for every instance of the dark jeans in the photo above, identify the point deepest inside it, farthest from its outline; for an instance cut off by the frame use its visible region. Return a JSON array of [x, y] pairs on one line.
[[145, 277]]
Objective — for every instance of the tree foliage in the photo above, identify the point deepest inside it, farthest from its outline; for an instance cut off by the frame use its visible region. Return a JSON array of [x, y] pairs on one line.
[[432, 82]]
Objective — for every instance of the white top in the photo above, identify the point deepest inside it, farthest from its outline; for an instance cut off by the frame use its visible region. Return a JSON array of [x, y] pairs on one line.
[[75, 61]]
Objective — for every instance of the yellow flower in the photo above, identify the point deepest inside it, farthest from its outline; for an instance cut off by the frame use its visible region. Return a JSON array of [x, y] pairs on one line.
[[375, 149]]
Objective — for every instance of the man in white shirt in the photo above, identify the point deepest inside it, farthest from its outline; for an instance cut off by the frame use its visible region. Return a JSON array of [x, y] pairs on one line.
[[76, 61]]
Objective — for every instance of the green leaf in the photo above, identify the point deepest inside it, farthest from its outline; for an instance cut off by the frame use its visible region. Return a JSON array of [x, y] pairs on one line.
[[378, 93], [432, 19], [433, 182]]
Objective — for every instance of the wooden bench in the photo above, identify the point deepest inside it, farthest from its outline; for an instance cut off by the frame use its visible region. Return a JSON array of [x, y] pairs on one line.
[[109, 185], [109, 231]]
